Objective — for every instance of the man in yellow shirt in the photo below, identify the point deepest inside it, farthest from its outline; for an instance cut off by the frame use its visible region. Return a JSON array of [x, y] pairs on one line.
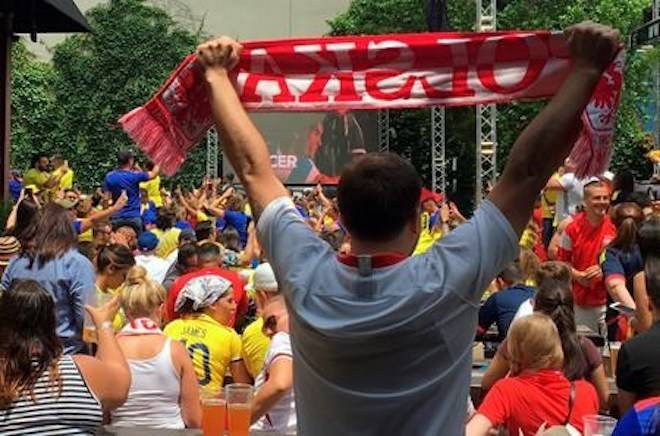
[[38, 174], [207, 306], [152, 187], [62, 172], [168, 235], [255, 342]]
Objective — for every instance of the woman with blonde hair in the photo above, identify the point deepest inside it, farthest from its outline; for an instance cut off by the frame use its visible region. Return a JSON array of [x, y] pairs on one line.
[[537, 394], [164, 392]]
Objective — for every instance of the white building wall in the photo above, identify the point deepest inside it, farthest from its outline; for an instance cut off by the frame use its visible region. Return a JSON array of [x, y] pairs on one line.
[[243, 19]]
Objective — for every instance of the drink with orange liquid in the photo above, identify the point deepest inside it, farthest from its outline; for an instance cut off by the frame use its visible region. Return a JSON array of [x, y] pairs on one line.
[[239, 397], [213, 416], [89, 334], [239, 419]]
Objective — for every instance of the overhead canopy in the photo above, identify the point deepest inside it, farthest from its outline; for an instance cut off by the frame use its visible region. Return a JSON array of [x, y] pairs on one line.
[[45, 16]]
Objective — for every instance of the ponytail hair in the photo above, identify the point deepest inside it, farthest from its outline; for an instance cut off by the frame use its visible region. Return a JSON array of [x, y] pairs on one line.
[[140, 295], [555, 299], [627, 219]]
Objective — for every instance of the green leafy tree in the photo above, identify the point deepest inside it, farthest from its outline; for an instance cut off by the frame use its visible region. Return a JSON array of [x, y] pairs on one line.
[[95, 78], [33, 106], [631, 143], [412, 127]]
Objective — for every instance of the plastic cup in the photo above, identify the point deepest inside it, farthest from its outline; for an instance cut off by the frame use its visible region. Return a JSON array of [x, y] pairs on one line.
[[614, 356], [89, 328], [239, 398], [214, 408], [598, 425]]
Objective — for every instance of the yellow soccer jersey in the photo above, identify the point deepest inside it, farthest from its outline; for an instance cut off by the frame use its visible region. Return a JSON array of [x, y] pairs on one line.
[[153, 190], [168, 241], [66, 182], [428, 236], [35, 177], [255, 346], [211, 346]]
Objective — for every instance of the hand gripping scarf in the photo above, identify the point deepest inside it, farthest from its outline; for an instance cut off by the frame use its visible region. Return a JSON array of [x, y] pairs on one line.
[[379, 72]]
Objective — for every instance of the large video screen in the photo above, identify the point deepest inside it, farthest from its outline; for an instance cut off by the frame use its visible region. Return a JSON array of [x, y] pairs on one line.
[[311, 148]]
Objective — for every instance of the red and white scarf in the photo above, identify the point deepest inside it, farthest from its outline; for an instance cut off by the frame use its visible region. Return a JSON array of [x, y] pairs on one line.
[[140, 326], [379, 72]]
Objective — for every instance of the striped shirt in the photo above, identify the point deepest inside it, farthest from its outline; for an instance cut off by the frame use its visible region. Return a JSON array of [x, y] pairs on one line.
[[75, 411]]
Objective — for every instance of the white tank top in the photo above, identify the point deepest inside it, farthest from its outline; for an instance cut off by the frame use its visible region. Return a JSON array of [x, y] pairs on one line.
[[153, 399]]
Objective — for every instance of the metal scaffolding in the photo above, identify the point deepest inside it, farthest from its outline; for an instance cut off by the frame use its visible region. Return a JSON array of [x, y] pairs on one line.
[[384, 130], [486, 114], [212, 153], [438, 161]]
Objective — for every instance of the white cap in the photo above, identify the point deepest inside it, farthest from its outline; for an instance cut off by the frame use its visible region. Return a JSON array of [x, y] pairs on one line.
[[264, 279]]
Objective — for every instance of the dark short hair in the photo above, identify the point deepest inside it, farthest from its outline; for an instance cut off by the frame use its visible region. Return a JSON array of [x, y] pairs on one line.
[[186, 252], [124, 157], [165, 219], [511, 274], [209, 252], [204, 230], [149, 165], [378, 194], [36, 158]]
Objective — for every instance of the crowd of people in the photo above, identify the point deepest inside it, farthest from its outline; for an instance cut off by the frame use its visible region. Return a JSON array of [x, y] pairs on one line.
[[127, 305]]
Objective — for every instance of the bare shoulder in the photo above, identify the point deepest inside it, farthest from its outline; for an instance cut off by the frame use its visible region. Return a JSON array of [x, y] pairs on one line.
[[179, 354]]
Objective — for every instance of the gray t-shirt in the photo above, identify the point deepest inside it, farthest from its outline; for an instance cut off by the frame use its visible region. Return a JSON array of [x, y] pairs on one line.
[[387, 353]]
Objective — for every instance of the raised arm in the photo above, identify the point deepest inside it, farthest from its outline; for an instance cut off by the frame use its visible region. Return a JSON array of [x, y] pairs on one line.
[[88, 223], [245, 147], [107, 374], [154, 172], [11, 219], [547, 141], [186, 205]]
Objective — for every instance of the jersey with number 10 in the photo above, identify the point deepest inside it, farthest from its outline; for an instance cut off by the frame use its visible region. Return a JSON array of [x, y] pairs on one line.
[[211, 346]]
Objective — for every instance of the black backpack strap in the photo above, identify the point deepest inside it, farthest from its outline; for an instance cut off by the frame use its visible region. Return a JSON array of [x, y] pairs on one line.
[[571, 401]]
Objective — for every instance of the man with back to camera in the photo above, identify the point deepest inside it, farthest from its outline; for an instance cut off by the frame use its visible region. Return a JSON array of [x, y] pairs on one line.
[[126, 178], [382, 341]]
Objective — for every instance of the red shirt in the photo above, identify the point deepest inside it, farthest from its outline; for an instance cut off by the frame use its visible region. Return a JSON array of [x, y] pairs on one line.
[[530, 399], [581, 246], [236, 283]]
